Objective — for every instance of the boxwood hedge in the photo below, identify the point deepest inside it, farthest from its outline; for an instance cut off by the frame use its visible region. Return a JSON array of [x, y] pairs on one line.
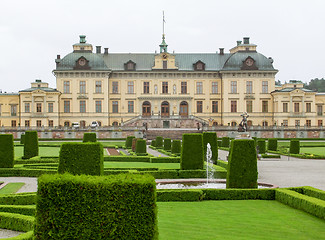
[[153, 143], [7, 154], [225, 141], [159, 142], [272, 144], [192, 156], [176, 147], [128, 141], [294, 146], [22, 138], [261, 145], [167, 144], [141, 146], [31, 144], [89, 137]]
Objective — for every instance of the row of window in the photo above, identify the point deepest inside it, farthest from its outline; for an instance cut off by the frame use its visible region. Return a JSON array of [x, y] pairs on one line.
[[249, 106], [297, 123], [13, 110], [296, 108], [82, 87], [39, 107], [249, 87], [38, 123]]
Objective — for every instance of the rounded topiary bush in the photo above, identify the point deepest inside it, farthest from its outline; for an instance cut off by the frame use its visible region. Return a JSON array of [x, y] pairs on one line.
[[210, 137], [176, 147], [134, 144], [141, 146], [192, 156], [7, 153], [31, 144], [167, 144], [128, 141], [261, 145], [225, 142], [159, 142], [89, 137], [153, 143], [272, 144], [294, 146]]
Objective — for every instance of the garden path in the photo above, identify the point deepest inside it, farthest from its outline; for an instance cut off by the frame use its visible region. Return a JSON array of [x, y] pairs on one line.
[[155, 153]]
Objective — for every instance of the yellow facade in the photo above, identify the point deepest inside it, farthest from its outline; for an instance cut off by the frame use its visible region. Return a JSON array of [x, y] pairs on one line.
[[9, 109]]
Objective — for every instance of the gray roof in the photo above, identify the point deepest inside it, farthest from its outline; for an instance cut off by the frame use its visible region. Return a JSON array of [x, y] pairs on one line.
[[291, 89], [143, 61], [5, 93], [40, 88]]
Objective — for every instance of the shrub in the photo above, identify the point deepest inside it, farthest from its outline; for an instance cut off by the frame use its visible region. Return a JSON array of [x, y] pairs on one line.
[[192, 151], [31, 144], [81, 158], [294, 146], [272, 144], [7, 154], [242, 164], [176, 147], [89, 137], [167, 144], [180, 195], [153, 143], [261, 146], [134, 144], [211, 137], [22, 138], [16, 222], [239, 194], [225, 142], [164, 159], [159, 142], [127, 158], [110, 207], [141, 146], [219, 143], [128, 141]]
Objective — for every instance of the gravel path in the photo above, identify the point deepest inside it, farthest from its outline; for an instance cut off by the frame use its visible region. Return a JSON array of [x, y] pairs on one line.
[[155, 153], [5, 233]]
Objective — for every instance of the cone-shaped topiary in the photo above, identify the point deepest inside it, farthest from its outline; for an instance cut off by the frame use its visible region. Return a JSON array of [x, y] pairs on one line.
[[261, 146], [167, 144], [31, 144], [294, 146], [176, 147], [89, 137], [7, 153], [210, 137], [141, 146], [242, 164], [159, 142], [192, 156], [225, 142], [272, 144], [128, 142]]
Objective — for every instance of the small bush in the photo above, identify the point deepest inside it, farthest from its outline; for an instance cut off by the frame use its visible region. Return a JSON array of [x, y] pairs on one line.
[[167, 144], [141, 146], [242, 164], [81, 158], [219, 143], [192, 156], [153, 143], [211, 137], [31, 144], [225, 142], [128, 141], [272, 144], [176, 147], [22, 138], [159, 142], [294, 146], [261, 146], [7, 154], [89, 137]]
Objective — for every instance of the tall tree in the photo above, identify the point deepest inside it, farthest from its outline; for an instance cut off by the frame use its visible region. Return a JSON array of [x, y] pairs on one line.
[[316, 84]]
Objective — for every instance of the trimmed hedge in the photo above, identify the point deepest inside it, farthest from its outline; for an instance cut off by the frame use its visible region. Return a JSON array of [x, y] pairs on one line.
[[18, 199], [31, 144], [167, 144], [128, 141], [181, 195], [272, 144], [89, 137], [28, 210], [261, 145], [242, 164], [111, 207], [294, 146], [141, 146], [176, 147], [22, 138], [16, 222], [164, 159], [219, 142], [153, 143], [225, 141], [127, 158], [81, 158], [192, 156], [210, 137], [159, 142], [7, 154]]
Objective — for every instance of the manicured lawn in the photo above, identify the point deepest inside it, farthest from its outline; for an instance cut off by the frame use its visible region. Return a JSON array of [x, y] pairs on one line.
[[11, 188], [313, 150], [245, 219], [43, 151], [141, 165], [302, 143]]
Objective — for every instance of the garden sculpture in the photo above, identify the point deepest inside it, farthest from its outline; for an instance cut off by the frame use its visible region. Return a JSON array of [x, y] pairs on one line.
[[243, 124]]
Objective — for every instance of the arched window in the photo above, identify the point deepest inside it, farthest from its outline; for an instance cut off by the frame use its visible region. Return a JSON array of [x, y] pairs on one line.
[[146, 109], [99, 123], [265, 123], [183, 109], [215, 124], [233, 124], [249, 123], [82, 123], [165, 109], [115, 124], [67, 124]]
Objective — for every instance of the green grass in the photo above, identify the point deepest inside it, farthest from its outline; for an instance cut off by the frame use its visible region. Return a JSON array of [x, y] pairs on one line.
[[313, 150], [141, 165], [245, 219], [11, 188]]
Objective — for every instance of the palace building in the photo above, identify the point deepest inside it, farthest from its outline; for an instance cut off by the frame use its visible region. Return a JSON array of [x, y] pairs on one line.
[[171, 90]]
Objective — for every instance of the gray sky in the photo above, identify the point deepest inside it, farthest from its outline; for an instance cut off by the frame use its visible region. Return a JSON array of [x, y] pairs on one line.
[[33, 32]]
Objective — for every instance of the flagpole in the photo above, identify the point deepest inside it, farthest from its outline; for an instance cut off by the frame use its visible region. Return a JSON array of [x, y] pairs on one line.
[[163, 22]]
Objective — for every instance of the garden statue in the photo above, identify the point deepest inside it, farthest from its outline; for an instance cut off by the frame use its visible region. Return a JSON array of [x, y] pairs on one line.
[[243, 124]]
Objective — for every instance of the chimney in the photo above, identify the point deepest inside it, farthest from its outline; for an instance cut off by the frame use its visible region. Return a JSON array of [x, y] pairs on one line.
[[106, 50], [238, 43], [246, 40], [221, 51], [58, 56], [98, 49]]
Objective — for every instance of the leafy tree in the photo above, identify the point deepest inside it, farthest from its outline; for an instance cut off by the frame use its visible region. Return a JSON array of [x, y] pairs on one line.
[[316, 85]]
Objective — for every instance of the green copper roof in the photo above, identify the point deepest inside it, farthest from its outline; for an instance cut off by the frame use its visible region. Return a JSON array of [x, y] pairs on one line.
[[292, 89], [40, 88]]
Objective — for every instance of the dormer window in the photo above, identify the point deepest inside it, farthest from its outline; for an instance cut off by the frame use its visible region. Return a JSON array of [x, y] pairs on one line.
[[199, 66], [249, 64], [129, 66], [82, 63]]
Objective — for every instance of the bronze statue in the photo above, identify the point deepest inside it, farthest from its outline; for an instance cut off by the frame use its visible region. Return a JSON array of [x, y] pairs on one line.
[[243, 124]]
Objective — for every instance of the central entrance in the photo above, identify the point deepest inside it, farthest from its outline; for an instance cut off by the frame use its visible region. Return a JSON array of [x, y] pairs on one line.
[[146, 109], [165, 109], [183, 109]]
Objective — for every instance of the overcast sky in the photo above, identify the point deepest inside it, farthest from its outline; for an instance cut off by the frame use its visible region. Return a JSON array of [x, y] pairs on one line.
[[33, 32]]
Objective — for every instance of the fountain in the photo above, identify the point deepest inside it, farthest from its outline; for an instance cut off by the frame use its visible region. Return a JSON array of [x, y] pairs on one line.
[[209, 164]]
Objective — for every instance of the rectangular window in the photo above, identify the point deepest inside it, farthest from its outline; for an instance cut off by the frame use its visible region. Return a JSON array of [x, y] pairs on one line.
[[308, 107], [320, 123], [82, 106], [98, 106], [249, 87], [214, 106], [285, 123], [214, 87], [66, 87], [50, 123], [233, 106], [265, 106], [199, 106], [183, 87], [130, 87], [13, 110], [98, 87], [50, 107], [199, 87], [233, 88], [13, 123], [38, 107], [39, 123], [249, 106], [115, 106], [265, 87], [296, 105], [146, 87], [27, 123], [114, 87], [285, 107], [319, 110], [164, 64], [164, 87], [27, 107], [66, 106], [297, 123], [308, 123], [130, 106], [82, 87]]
